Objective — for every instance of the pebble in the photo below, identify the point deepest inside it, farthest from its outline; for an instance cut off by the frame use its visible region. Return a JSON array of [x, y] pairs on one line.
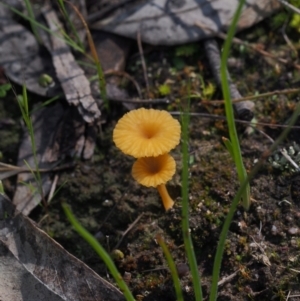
[[99, 236], [293, 230], [274, 230], [182, 269], [107, 203]]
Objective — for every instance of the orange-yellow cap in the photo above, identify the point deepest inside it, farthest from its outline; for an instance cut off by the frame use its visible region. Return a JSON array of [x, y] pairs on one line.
[[154, 171], [146, 133]]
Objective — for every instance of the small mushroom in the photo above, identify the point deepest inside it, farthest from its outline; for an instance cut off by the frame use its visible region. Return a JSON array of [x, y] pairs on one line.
[[146, 133], [155, 172]]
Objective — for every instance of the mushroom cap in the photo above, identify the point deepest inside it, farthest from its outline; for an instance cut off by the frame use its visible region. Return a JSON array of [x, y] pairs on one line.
[[146, 133], [154, 171]]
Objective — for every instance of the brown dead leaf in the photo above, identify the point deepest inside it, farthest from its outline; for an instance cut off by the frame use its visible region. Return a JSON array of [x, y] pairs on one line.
[[71, 76], [45, 263], [59, 133]]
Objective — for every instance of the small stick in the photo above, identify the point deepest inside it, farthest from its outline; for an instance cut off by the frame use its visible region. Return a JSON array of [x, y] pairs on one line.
[[125, 74], [293, 296], [141, 101], [227, 278], [290, 6], [18, 169], [240, 42], [286, 155], [10, 170], [52, 190], [282, 151], [243, 109], [212, 116], [127, 230], [252, 97], [139, 42], [286, 38]]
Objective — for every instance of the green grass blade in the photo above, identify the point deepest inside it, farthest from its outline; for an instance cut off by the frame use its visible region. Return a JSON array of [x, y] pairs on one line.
[[1, 188], [24, 108], [66, 16], [242, 174], [224, 232], [228, 146], [69, 42], [188, 244], [100, 251], [172, 267], [32, 18], [102, 84]]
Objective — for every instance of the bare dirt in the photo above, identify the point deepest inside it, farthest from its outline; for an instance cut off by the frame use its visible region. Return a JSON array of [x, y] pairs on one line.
[[262, 254]]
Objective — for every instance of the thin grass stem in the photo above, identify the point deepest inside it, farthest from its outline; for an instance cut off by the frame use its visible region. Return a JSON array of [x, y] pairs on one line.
[[188, 244], [224, 232], [91, 240], [172, 267], [241, 170], [100, 73], [32, 18], [24, 107], [69, 41], [1, 188], [66, 16]]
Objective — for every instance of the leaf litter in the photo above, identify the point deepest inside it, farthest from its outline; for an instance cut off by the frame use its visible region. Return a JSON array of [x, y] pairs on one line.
[[261, 260]]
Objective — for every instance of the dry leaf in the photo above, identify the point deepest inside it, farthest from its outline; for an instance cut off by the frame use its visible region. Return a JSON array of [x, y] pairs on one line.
[[164, 22], [39, 256], [21, 58]]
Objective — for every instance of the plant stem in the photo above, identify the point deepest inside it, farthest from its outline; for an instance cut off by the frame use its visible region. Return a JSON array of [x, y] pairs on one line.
[[172, 267], [188, 244], [100, 251], [242, 174], [224, 232], [32, 17]]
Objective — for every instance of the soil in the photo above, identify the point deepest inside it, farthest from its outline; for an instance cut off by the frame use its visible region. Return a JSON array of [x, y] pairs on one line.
[[262, 254]]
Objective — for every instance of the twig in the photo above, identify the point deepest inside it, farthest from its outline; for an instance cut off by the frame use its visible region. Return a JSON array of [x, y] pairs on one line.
[[227, 278], [8, 170], [139, 42], [263, 133], [290, 6], [282, 151], [244, 109], [9, 167], [52, 190], [125, 74], [252, 97], [251, 46], [286, 38], [212, 116], [127, 230], [286, 155], [293, 296], [141, 101]]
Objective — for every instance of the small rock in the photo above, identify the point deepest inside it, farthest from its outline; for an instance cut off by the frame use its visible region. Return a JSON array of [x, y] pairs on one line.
[[182, 269], [293, 230], [99, 236], [274, 230], [107, 203]]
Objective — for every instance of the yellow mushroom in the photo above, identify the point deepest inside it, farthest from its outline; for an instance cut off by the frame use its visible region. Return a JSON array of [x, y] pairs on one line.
[[155, 172], [146, 133]]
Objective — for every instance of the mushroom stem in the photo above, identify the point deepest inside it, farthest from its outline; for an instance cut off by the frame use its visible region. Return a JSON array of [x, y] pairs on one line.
[[166, 199]]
